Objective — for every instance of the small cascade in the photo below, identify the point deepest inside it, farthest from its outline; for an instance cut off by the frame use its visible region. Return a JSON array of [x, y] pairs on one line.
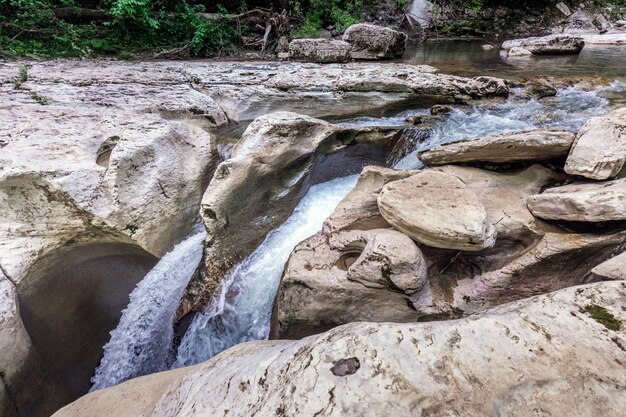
[[243, 310], [142, 341], [421, 11]]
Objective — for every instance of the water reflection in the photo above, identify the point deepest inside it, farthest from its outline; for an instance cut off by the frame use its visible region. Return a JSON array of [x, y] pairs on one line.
[[470, 59]]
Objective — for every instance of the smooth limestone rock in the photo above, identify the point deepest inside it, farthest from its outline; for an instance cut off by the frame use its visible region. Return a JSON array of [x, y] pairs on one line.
[[361, 276], [437, 209], [375, 42], [582, 202], [599, 150], [530, 145], [319, 50], [144, 176], [548, 45], [277, 159], [614, 268], [211, 95], [72, 275], [561, 350], [359, 209]]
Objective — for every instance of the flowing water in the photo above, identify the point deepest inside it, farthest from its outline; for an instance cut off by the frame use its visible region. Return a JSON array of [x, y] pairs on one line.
[[243, 310], [142, 341]]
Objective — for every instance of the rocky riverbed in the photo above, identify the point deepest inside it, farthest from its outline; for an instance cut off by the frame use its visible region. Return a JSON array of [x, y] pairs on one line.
[[106, 166]]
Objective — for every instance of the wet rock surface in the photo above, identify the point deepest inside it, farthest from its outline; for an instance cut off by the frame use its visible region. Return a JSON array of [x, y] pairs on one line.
[[532, 145], [516, 354], [548, 45]]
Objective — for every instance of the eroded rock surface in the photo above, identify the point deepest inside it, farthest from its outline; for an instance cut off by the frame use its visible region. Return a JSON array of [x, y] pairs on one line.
[[375, 42], [599, 150], [554, 349], [437, 209], [583, 202], [319, 50], [531, 145], [614, 268], [548, 45]]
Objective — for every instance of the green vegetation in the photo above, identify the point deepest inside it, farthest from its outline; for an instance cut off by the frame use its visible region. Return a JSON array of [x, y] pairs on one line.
[[39, 98], [604, 317], [73, 28], [21, 78], [318, 14]]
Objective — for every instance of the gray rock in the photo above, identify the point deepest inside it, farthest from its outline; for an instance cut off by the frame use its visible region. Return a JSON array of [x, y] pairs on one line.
[[375, 42], [614, 268], [319, 50], [548, 45], [437, 209], [554, 350], [530, 145], [584, 202], [563, 8], [599, 150]]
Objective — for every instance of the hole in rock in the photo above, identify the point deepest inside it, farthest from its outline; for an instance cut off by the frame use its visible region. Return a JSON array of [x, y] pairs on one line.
[[69, 302], [104, 153]]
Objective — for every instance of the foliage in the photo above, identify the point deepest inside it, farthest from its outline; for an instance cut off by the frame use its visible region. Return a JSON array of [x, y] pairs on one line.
[[31, 28], [21, 78], [321, 13]]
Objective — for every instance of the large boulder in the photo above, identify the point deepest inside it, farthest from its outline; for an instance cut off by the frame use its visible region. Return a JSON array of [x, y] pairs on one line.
[[548, 45], [582, 202], [143, 176], [360, 276], [530, 145], [560, 353], [438, 210], [599, 150], [319, 50], [375, 42]]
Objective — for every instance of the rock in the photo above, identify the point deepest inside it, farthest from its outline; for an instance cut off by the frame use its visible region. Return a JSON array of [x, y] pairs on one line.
[[620, 23], [325, 285], [604, 39], [529, 145], [599, 150], [440, 109], [282, 45], [613, 268], [359, 209], [142, 176], [375, 42], [319, 50], [584, 202], [548, 45], [487, 47], [437, 209], [518, 354], [211, 95], [72, 274], [530, 257], [563, 8], [277, 159], [538, 90], [518, 51]]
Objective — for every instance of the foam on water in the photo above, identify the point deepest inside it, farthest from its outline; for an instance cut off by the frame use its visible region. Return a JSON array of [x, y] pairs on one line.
[[243, 309], [569, 110], [142, 341]]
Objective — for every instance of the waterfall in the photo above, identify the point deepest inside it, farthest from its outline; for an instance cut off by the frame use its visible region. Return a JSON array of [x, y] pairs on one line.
[[142, 341], [242, 311], [421, 10]]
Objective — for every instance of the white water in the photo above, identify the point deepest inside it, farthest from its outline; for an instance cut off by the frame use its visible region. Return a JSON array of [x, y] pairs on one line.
[[142, 341], [243, 310], [569, 110]]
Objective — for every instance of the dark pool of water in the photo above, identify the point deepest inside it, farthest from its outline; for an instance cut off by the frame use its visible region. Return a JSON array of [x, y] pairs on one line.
[[468, 58]]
